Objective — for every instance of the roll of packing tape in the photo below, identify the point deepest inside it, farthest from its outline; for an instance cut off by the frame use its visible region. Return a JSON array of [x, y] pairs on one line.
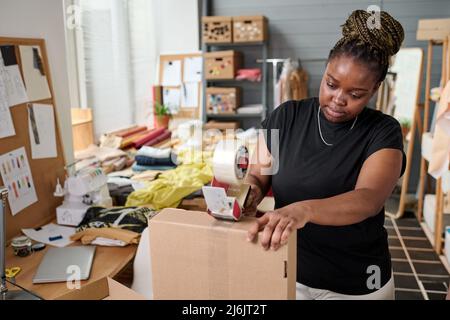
[[230, 162]]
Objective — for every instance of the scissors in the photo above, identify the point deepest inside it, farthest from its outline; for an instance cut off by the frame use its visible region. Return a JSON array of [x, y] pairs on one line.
[[12, 272]]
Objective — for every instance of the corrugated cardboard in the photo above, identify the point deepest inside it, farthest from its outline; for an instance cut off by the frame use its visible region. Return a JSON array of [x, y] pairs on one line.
[[217, 29], [250, 29], [195, 256], [221, 125], [102, 289], [222, 100], [433, 29], [222, 64]]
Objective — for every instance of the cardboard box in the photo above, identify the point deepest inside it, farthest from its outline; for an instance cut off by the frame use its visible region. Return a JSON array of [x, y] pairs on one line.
[[223, 100], [250, 29], [222, 64], [102, 289], [217, 29], [221, 125], [433, 29], [195, 256]]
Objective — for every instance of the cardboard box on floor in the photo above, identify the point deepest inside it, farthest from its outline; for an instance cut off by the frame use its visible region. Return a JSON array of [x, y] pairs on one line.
[[102, 289], [195, 256]]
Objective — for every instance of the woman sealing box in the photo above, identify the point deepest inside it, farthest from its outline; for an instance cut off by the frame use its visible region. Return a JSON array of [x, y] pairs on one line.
[[336, 163]]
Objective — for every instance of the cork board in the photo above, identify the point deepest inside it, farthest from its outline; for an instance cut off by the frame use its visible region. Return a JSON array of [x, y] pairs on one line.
[[188, 113], [44, 171]]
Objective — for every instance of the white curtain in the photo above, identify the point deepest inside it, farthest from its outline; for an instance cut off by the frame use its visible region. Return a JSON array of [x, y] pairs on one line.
[[119, 53], [118, 46]]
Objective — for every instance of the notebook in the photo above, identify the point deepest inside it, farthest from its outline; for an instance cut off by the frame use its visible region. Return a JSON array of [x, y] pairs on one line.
[[65, 264]]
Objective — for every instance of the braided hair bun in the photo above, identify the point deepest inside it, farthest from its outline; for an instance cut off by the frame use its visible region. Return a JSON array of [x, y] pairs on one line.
[[370, 43]]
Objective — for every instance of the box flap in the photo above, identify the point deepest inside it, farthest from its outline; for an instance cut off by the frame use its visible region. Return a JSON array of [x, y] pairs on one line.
[[96, 290], [118, 291], [195, 256], [102, 289]]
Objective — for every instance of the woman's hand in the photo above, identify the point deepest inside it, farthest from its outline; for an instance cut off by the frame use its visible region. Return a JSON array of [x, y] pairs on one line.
[[253, 199], [279, 224]]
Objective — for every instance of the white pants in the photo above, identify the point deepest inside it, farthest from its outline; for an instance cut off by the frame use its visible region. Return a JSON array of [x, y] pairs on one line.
[[387, 292]]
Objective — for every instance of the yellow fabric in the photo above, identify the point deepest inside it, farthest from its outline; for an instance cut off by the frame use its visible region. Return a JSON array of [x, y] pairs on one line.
[[173, 185]]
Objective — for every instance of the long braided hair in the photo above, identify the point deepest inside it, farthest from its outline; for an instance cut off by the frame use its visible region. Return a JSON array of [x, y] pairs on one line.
[[372, 46]]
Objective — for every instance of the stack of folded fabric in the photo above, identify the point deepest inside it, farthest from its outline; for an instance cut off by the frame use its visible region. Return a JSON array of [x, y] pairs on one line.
[[149, 158], [108, 159], [250, 109]]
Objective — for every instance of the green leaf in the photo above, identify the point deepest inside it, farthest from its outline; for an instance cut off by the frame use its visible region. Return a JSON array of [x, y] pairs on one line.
[[161, 109]]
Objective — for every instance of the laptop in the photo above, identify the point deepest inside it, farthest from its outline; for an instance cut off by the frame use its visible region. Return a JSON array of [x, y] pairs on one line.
[[65, 264]]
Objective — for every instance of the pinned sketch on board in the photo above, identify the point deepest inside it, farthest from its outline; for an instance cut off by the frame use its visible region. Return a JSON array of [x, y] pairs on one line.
[[16, 175], [192, 69], [171, 73], [41, 124], [34, 73], [171, 98], [10, 73], [6, 122], [189, 97]]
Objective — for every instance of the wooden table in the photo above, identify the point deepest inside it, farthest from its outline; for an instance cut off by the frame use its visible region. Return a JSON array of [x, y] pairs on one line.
[[108, 261]]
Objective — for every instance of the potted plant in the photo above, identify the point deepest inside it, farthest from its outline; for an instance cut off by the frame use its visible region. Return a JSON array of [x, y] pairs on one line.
[[406, 126], [162, 115]]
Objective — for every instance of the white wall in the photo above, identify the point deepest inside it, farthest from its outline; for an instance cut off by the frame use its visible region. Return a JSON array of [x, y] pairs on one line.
[[44, 19], [178, 26]]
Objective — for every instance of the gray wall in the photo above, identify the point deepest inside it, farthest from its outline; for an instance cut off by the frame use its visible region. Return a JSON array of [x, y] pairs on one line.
[[308, 29]]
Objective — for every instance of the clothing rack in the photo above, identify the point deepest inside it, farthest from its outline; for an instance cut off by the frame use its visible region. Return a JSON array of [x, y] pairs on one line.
[[276, 61]]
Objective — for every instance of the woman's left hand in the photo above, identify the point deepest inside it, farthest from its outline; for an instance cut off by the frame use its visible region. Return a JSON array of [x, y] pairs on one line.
[[277, 225]]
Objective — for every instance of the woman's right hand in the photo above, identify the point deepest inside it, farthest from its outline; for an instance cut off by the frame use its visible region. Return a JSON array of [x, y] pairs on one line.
[[253, 200]]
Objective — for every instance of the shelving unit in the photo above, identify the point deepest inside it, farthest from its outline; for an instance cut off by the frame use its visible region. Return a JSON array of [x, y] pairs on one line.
[[263, 47], [435, 236]]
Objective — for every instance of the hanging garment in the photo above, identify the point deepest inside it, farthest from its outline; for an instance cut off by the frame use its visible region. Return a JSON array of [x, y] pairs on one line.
[[293, 83], [441, 138]]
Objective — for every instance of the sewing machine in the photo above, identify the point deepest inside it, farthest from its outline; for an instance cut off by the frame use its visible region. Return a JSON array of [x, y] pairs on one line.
[[87, 187]]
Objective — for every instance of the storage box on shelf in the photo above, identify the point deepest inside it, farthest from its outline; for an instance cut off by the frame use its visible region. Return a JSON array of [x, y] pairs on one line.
[[222, 100], [250, 29], [220, 67], [222, 64], [217, 29]]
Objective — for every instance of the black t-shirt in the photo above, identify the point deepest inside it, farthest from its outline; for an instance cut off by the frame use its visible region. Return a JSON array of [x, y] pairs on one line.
[[334, 258]]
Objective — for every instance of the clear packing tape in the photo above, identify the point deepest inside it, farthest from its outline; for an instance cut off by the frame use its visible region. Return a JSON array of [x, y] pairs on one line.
[[230, 162]]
